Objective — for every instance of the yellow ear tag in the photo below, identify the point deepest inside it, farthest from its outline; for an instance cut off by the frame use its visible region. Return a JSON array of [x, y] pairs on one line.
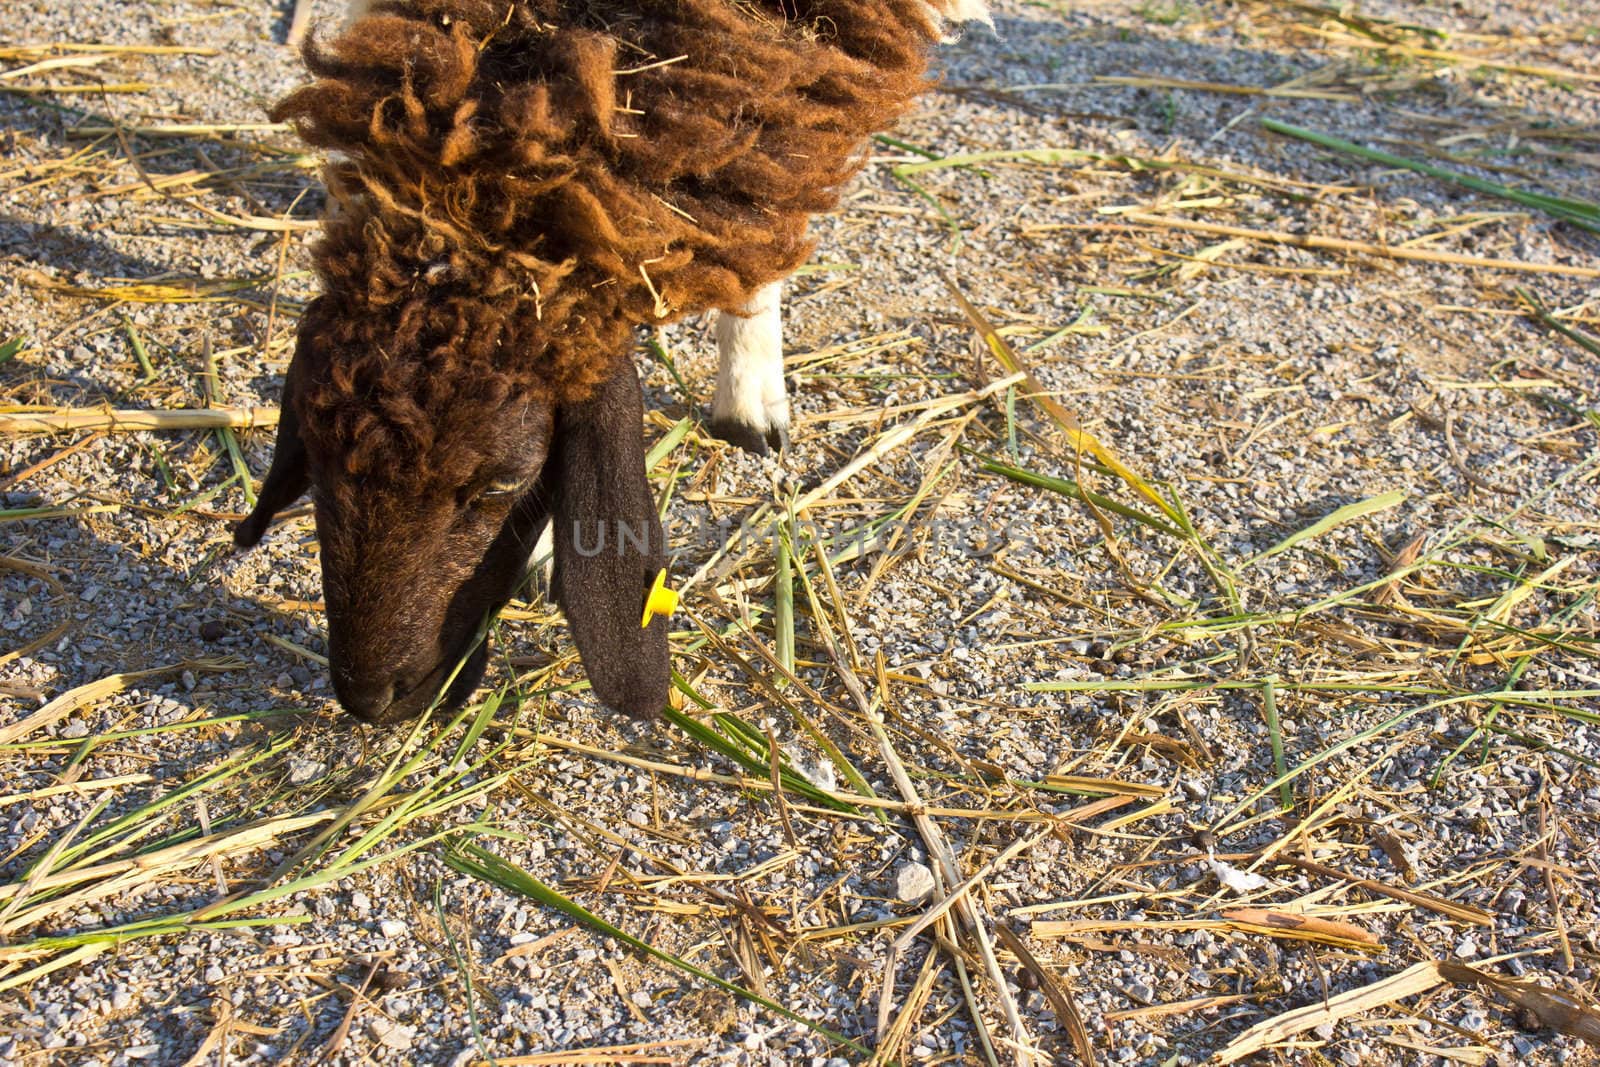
[[660, 601]]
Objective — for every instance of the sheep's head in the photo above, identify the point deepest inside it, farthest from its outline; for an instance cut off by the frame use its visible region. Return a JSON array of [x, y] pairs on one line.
[[431, 490]]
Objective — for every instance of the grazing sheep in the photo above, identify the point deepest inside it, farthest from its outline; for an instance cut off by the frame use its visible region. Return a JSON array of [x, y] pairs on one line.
[[513, 188]]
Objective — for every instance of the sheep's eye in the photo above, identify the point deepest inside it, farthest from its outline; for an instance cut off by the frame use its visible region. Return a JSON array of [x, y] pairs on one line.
[[497, 492]]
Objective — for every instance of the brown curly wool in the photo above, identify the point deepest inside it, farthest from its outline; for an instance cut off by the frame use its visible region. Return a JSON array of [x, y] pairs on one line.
[[516, 185]]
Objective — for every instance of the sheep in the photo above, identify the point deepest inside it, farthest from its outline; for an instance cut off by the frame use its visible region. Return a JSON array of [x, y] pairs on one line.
[[514, 187]]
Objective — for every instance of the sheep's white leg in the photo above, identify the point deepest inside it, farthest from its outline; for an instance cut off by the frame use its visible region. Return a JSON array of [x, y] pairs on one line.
[[751, 407], [543, 559], [961, 10]]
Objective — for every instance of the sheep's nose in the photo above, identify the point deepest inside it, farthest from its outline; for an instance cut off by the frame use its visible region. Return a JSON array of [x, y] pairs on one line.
[[366, 699]]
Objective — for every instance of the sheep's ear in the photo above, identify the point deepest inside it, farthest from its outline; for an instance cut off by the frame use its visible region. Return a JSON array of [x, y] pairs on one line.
[[609, 545], [288, 477]]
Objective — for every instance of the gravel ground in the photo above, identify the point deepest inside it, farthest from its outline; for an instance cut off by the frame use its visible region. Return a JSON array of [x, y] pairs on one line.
[[1264, 385]]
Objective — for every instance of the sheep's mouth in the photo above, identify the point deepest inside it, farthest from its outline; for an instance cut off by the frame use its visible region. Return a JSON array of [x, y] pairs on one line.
[[424, 694], [395, 693]]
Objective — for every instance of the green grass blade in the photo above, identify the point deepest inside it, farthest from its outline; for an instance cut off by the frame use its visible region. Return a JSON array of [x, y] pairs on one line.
[[745, 745], [76, 944], [480, 722], [1077, 492], [840, 762], [1011, 426], [140, 353], [1269, 710], [1338, 517], [463, 965], [135, 824], [655, 348], [674, 437], [783, 603], [1537, 310], [681, 684], [479, 862], [1578, 212]]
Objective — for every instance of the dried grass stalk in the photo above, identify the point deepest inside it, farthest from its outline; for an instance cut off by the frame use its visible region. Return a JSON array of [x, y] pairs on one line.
[[1410, 982], [132, 420], [1366, 248]]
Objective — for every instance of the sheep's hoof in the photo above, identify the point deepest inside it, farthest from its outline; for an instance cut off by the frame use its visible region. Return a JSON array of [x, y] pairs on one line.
[[749, 438]]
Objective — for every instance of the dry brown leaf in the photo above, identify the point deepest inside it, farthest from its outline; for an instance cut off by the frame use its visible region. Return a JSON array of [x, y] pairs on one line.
[[1302, 927]]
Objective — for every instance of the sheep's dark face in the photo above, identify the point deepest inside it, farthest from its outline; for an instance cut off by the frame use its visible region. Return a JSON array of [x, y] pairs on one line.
[[429, 503], [412, 565], [422, 535]]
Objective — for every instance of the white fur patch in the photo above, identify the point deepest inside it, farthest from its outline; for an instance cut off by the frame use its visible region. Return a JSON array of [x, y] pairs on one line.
[[750, 389]]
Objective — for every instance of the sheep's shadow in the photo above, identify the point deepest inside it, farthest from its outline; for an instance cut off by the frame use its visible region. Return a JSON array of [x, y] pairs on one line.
[[30, 243], [258, 172], [51, 250]]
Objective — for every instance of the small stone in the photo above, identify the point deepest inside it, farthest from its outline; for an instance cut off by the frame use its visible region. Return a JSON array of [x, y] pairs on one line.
[[391, 1035], [360, 901], [392, 928], [302, 771], [913, 883], [214, 974], [212, 630]]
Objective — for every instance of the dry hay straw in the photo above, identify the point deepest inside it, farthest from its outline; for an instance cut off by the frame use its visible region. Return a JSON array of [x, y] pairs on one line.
[[776, 633]]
